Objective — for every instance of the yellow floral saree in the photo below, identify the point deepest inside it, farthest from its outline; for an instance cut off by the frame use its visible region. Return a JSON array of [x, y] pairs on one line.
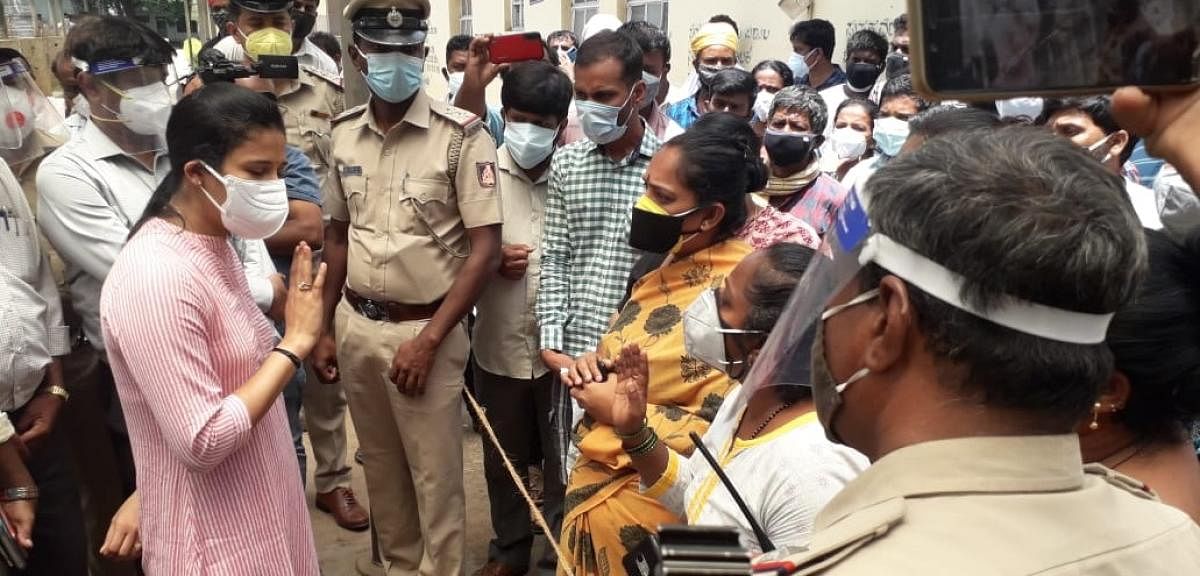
[[605, 514]]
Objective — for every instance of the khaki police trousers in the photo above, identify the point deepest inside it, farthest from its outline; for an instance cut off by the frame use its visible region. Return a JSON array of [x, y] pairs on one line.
[[412, 446]]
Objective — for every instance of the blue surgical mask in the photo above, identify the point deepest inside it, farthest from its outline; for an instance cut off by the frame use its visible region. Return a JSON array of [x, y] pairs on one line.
[[600, 122], [799, 64], [529, 144], [394, 76], [890, 135]]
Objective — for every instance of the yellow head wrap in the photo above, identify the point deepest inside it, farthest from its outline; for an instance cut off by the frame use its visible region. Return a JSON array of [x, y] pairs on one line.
[[714, 34]]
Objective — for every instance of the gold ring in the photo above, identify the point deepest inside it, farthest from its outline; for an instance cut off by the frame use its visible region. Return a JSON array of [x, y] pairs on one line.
[[304, 286]]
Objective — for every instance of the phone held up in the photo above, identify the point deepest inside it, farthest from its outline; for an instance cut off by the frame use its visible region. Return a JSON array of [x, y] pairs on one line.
[[990, 50], [516, 48]]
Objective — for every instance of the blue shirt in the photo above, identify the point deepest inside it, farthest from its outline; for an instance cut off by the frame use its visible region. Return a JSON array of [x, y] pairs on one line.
[[302, 184], [836, 79], [1147, 165], [684, 112]]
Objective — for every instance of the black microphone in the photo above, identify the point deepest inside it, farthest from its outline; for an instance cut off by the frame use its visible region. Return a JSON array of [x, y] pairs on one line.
[[761, 535]]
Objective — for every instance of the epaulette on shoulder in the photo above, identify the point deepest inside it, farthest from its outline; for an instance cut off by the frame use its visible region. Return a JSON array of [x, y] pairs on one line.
[[333, 81], [470, 123], [351, 113]]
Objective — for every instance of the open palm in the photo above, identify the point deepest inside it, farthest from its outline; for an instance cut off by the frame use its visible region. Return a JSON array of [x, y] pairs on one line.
[[632, 370]]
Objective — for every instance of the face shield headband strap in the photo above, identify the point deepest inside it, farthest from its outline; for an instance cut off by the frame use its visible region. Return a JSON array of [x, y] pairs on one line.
[[1013, 313]]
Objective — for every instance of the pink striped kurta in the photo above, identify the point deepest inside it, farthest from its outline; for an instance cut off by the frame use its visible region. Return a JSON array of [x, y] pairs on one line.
[[219, 496]]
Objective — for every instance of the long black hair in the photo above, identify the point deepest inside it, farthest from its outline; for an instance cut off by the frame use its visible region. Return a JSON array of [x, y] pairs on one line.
[[206, 125], [721, 164], [1155, 339]]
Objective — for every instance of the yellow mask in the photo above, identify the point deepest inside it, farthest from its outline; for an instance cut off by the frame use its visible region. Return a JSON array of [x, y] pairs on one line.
[[647, 204], [268, 42]]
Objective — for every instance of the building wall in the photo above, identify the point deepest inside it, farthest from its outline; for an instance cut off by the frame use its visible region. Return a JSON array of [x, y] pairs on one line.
[[763, 24]]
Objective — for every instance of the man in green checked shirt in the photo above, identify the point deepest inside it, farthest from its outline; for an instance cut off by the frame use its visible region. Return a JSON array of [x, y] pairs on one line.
[[594, 183]]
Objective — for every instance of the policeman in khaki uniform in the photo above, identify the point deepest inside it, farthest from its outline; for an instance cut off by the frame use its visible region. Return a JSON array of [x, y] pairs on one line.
[[308, 104], [961, 357], [414, 235]]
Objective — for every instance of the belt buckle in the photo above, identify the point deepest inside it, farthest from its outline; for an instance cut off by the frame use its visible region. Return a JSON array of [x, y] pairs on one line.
[[371, 310]]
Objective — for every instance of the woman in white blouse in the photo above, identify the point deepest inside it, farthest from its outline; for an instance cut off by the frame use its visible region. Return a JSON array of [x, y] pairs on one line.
[[771, 445]]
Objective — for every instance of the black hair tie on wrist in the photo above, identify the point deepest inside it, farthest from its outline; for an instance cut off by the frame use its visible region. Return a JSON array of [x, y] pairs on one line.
[[290, 356]]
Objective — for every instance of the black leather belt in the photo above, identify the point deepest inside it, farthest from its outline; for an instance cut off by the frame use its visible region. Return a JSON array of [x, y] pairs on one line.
[[383, 311]]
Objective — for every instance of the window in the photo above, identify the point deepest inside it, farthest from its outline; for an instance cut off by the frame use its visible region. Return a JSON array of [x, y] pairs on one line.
[[464, 17], [652, 11], [517, 16], [581, 11]]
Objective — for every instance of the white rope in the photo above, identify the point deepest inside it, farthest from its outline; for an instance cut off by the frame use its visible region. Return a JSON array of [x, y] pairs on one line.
[[516, 478]]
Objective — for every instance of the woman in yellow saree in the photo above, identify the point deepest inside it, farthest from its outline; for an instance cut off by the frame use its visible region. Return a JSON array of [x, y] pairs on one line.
[[694, 204]]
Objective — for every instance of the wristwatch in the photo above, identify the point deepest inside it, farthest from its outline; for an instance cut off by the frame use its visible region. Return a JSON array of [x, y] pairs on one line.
[[19, 493], [59, 391]]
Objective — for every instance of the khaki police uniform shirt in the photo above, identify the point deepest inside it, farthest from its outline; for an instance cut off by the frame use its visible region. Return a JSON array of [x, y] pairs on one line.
[[998, 506], [309, 105], [408, 214], [506, 328]]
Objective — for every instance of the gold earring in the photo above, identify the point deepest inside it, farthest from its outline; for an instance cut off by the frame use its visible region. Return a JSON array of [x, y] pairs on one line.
[[1095, 425]]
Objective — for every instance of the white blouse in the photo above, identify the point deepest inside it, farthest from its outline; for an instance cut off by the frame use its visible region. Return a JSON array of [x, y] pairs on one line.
[[785, 477]]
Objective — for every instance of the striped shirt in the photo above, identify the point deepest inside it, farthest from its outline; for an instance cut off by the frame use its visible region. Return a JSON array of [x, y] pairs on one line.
[[31, 321], [586, 255], [219, 494]]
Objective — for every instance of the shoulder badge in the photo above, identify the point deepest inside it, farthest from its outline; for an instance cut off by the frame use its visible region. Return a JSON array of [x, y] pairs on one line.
[[469, 122], [333, 81], [351, 113]]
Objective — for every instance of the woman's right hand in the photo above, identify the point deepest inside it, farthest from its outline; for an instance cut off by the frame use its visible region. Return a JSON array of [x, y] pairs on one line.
[[632, 369], [303, 316], [587, 369]]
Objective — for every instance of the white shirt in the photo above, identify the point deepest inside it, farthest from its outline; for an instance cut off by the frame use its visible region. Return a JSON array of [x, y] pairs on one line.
[[785, 477], [90, 194], [506, 329], [858, 175], [313, 56], [32, 332], [1144, 204]]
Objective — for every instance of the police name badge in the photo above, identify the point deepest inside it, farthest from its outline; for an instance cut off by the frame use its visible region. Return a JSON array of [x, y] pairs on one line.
[[348, 171], [487, 174]]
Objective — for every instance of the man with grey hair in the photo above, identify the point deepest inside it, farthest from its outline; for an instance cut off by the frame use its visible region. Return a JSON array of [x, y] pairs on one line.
[[794, 131], [958, 339]]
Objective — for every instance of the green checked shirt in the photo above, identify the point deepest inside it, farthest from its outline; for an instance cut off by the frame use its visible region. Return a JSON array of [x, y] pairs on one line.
[[586, 257]]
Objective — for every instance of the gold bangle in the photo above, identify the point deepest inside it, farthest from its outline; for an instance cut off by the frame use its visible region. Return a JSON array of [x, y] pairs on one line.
[[59, 391]]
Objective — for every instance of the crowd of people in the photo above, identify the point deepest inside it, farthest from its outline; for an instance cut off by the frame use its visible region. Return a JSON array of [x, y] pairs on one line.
[[918, 337]]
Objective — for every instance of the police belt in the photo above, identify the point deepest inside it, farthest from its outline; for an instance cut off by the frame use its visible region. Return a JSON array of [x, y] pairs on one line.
[[383, 311]]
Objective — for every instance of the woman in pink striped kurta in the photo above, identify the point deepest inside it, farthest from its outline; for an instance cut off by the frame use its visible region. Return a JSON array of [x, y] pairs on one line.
[[194, 362]]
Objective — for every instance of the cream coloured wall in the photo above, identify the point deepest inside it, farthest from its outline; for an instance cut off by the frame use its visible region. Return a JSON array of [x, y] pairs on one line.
[[764, 25]]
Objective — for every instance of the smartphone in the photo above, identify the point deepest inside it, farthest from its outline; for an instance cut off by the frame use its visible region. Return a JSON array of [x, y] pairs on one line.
[[997, 49], [517, 48]]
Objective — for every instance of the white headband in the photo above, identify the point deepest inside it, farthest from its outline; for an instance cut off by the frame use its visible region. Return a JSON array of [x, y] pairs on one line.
[[1020, 315]]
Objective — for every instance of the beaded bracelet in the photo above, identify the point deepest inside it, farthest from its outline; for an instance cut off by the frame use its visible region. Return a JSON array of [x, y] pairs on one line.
[[648, 445]]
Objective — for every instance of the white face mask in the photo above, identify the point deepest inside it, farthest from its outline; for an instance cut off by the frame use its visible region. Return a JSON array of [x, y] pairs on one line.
[[1028, 108], [253, 209], [762, 105], [19, 118], [849, 143], [453, 85], [703, 335], [80, 106], [799, 64], [145, 109], [529, 144], [600, 121], [652, 83]]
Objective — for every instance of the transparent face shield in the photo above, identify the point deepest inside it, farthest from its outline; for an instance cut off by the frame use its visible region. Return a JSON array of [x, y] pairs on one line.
[[31, 123], [134, 104], [851, 244]]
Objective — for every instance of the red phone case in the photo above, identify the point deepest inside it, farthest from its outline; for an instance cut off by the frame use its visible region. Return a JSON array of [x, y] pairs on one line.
[[516, 48]]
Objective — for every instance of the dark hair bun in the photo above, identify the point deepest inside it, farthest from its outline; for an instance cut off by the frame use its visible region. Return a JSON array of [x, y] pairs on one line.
[[756, 173]]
